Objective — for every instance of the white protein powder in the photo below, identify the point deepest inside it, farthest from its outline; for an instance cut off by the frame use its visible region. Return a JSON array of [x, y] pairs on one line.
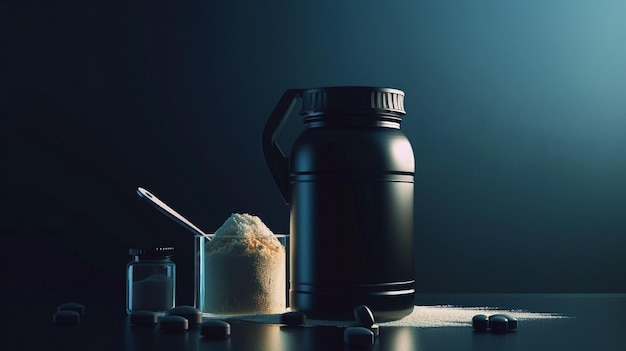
[[155, 293], [244, 268]]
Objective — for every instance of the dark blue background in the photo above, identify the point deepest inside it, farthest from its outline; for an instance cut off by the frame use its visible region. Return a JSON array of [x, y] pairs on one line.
[[516, 113]]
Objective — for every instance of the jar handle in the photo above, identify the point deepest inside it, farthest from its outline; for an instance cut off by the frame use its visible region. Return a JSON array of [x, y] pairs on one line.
[[275, 158]]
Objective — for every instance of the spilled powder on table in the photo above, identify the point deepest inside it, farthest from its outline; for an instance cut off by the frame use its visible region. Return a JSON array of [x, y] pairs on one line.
[[423, 317], [455, 316]]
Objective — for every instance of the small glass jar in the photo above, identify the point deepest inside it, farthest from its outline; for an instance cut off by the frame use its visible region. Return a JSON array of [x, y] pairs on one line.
[[150, 280]]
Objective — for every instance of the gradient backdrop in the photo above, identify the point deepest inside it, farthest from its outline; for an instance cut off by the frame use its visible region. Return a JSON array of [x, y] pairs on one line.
[[516, 112]]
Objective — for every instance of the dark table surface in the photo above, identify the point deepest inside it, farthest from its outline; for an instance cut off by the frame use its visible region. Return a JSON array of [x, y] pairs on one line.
[[596, 322]]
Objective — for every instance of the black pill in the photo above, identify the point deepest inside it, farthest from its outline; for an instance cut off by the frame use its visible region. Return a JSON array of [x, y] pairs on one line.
[[293, 318], [358, 337], [192, 314], [374, 328], [498, 323], [215, 329], [72, 306], [511, 321], [173, 324], [364, 316], [480, 322], [66, 318], [143, 318]]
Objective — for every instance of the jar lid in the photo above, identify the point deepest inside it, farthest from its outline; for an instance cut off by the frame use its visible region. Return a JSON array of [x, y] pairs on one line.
[[352, 100], [152, 251]]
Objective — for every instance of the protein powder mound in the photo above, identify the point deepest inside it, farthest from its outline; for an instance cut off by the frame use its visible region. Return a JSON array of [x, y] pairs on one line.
[[244, 268]]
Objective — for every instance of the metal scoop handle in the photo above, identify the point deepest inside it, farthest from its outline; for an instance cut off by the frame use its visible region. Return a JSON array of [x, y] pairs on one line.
[[168, 211]]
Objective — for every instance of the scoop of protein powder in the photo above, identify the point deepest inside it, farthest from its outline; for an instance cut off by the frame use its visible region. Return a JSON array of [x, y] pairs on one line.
[[244, 269]]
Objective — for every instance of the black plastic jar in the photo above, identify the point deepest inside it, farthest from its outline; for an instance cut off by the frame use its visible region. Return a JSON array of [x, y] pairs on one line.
[[349, 181]]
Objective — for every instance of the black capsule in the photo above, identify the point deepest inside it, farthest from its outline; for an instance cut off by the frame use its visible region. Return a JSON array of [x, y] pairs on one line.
[[374, 328], [192, 314], [364, 316], [173, 324], [72, 306], [66, 318], [498, 323], [215, 329], [511, 321], [480, 322], [143, 318]]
